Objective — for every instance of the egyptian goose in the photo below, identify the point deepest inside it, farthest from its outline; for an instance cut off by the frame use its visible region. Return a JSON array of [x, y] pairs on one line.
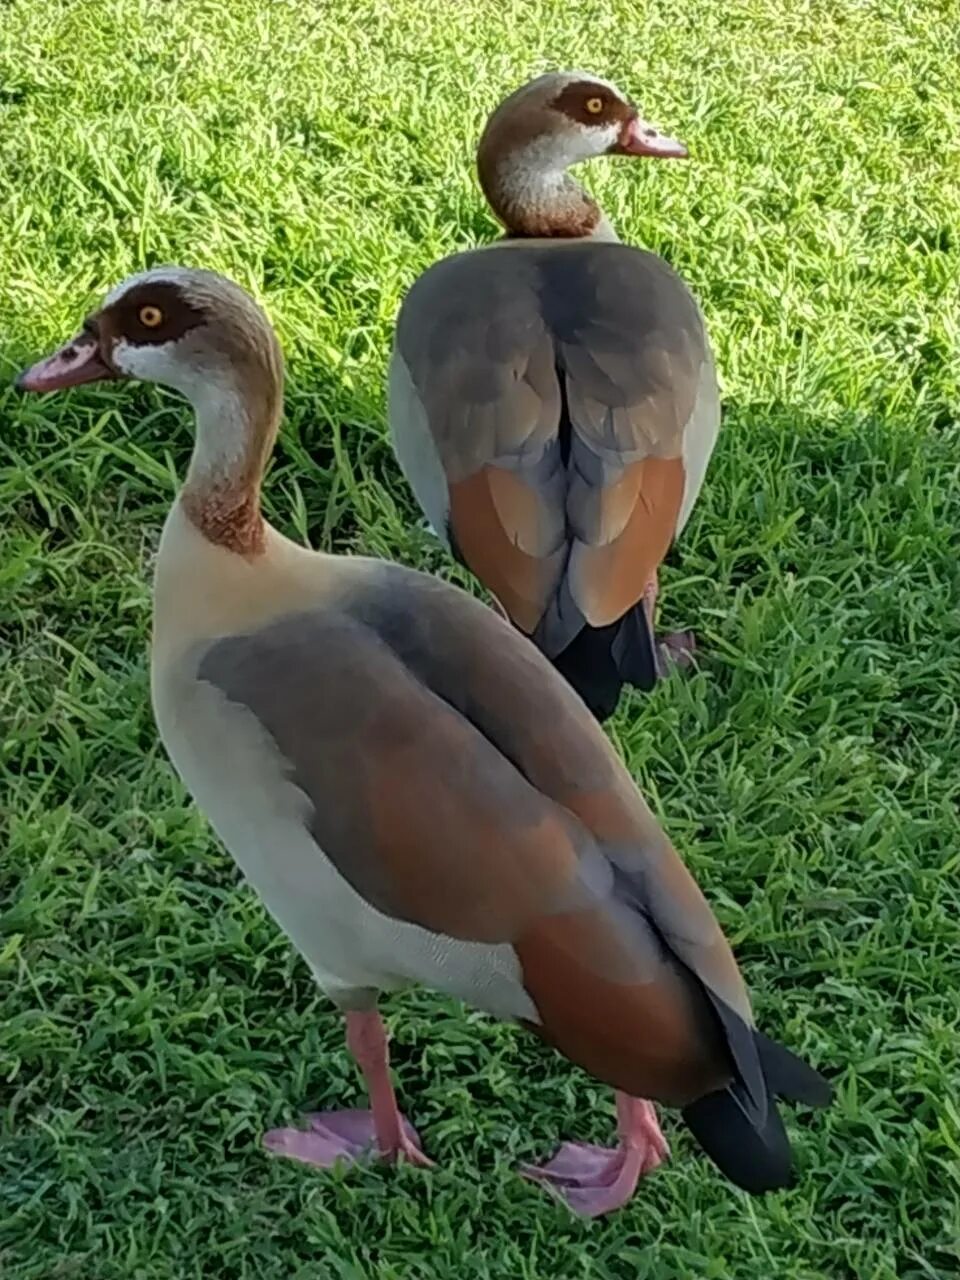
[[553, 401], [415, 793]]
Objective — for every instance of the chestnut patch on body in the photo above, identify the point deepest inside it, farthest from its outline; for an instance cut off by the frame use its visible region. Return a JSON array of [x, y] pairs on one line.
[[577, 100]]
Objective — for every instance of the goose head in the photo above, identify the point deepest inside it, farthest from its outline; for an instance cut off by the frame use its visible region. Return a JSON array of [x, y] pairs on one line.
[[188, 329], [202, 335], [539, 131]]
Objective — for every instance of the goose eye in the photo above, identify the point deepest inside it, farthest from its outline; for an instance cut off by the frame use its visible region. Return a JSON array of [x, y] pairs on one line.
[[151, 317], [594, 106]]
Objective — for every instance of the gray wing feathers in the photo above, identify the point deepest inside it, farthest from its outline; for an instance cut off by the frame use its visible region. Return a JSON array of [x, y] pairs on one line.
[[481, 361], [506, 350]]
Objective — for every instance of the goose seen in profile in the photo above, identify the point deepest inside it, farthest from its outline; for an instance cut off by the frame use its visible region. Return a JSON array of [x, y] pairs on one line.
[[416, 794]]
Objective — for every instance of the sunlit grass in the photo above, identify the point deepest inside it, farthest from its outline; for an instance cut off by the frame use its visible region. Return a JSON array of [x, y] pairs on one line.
[[152, 1021]]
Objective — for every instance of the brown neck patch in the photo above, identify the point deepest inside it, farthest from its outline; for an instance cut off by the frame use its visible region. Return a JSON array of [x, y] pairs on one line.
[[228, 515], [215, 328], [222, 495], [526, 208], [561, 220], [225, 504]]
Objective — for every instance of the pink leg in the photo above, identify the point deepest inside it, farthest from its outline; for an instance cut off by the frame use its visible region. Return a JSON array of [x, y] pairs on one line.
[[351, 1135], [595, 1180], [497, 607], [676, 648], [650, 593]]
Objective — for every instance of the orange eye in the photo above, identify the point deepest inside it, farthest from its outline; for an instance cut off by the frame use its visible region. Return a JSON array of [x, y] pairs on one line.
[[594, 106], [151, 317]]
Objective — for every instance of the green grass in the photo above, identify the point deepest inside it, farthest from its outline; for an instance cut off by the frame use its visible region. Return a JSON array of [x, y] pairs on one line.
[[152, 1021]]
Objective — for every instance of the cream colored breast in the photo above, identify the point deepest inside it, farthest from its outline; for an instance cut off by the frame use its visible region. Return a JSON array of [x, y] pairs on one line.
[[201, 590], [233, 770]]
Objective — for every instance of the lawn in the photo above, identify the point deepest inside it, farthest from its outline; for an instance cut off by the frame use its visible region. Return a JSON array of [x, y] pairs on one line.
[[152, 1021]]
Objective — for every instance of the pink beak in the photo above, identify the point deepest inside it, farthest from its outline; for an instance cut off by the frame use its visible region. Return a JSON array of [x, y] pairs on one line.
[[637, 138], [79, 361]]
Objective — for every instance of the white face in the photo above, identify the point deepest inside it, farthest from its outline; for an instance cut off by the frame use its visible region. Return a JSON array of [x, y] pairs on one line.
[[209, 385], [190, 330], [584, 142], [171, 363], [174, 364], [156, 363], [594, 118], [155, 326]]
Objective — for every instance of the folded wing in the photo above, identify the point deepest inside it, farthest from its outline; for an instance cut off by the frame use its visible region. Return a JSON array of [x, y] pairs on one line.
[[554, 409]]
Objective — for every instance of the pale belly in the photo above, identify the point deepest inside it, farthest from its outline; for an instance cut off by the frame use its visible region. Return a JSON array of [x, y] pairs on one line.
[[234, 772]]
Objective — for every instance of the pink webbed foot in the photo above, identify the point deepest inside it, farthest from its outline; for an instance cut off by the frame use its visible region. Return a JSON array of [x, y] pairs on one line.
[[596, 1180], [676, 649], [349, 1136], [382, 1132]]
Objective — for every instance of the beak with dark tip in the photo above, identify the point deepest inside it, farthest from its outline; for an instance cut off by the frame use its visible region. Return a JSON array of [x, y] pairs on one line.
[[638, 138], [77, 362]]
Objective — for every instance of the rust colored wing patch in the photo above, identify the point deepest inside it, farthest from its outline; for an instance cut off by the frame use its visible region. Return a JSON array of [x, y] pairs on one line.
[[642, 1029], [464, 847], [419, 811], [607, 575], [498, 526], [458, 784], [521, 706], [556, 383]]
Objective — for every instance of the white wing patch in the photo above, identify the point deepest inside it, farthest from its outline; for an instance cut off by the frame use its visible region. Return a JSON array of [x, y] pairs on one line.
[[415, 447], [699, 437]]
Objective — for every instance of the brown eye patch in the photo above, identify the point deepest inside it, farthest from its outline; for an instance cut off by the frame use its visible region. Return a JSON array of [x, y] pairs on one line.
[[151, 312], [591, 104]]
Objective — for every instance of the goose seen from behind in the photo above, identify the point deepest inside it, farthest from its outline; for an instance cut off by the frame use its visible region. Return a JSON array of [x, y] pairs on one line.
[[552, 399]]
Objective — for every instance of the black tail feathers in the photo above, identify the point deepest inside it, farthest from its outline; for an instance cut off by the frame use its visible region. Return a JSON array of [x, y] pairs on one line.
[[741, 1132], [751, 1149], [789, 1077], [634, 649], [599, 661]]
